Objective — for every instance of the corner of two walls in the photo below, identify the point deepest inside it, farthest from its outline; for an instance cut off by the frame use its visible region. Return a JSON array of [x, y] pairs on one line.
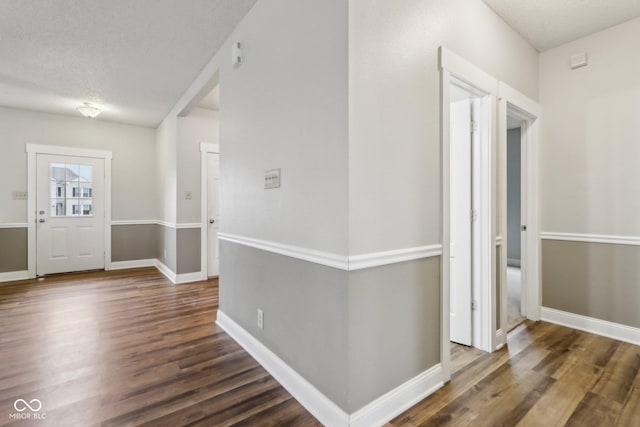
[[590, 203]]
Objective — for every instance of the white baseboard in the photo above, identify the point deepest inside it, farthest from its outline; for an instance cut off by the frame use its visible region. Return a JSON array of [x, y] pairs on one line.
[[595, 326], [320, 406], [376, 413], [177, 279], [398, 400], [188, 278], [14, 275], [138, 263], [501, 339]]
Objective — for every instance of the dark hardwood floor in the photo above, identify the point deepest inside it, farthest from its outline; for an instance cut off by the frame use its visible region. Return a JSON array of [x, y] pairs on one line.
[[548, 375], [127, 348]]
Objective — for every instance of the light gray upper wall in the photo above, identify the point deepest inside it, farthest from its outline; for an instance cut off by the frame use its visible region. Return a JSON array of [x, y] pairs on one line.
[[199, 126], [394, 108], [589, 151], [132, 168], [284, 107], [513, 194], [166, 169]]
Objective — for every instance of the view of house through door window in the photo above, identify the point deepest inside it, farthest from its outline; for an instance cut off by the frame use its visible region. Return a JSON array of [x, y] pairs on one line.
[[71, 189]]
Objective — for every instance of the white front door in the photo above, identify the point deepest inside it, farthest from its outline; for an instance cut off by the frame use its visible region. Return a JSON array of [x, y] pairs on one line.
[[70, 228], [213, 185], [460, 249]]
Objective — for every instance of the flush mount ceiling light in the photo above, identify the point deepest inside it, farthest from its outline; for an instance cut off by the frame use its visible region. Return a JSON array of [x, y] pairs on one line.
[[89, 110]]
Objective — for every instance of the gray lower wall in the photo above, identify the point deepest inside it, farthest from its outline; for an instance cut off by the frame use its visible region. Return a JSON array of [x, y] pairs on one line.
[[188, 250], [592, 279], [134, 242], [167, 237], [353, 335], [394, 327], [13, 249], [305, 312]]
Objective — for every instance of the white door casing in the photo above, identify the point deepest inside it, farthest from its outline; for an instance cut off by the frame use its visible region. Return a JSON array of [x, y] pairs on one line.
[[70, 242], [460, 236], [213, 186]]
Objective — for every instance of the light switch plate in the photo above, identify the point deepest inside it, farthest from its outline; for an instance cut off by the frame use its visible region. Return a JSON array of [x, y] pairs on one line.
[[19, 195], [272, 179]]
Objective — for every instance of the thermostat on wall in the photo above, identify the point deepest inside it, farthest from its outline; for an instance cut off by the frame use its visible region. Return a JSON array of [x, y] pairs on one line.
[[272, 179]]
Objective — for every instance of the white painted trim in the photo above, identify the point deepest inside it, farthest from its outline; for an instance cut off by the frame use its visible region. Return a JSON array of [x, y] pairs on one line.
[[168, 273], [358, 262], [320, 406], [398, 400], [343, 262], [14, 225], [466, 71], [207, 147], [188, 278], [592, 238], [32, 152], [318, 257], [179, 226], [501, 339], [138, 263], [11, 276], [595, 326], [135, 222], [68, 151]]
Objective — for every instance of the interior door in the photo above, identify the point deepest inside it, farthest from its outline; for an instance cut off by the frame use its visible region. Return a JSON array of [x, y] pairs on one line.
[[70, 229], [213, 186], [460, 249]]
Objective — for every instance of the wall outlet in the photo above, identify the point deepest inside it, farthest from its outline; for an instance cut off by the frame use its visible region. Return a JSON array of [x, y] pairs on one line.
[[260, 319], [188, 195]]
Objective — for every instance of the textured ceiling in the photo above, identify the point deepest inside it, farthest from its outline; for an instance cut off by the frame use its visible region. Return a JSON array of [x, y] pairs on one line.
[[133, 59], [550, 23]]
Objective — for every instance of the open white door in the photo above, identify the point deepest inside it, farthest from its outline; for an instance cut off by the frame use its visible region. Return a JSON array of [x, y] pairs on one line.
[[460, 249], [213, 185], [70, 213]]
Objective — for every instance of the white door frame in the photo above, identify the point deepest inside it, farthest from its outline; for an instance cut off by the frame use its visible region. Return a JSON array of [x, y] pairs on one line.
[[515, 103], [32, 153], [453, 67], [205, 149]]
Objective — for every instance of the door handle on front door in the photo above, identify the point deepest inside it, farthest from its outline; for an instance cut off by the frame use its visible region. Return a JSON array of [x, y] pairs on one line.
[[523, 227], [211, 221], [41, 220]]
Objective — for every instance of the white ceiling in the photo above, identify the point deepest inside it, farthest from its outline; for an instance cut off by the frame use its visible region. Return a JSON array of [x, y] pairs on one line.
[[550, 23], [133, 59]]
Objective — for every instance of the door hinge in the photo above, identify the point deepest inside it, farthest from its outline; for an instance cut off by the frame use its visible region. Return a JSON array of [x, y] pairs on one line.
[[474, 125], [474, 305], [474, 215]]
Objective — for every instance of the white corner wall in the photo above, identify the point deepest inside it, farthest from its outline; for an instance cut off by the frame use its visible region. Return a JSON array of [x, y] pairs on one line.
[[394, 108], [133, 165], [590, 135]]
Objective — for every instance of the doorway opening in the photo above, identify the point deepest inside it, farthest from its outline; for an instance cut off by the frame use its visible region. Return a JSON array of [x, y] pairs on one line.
[[515, 301], [210, 191], [469, 214]]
